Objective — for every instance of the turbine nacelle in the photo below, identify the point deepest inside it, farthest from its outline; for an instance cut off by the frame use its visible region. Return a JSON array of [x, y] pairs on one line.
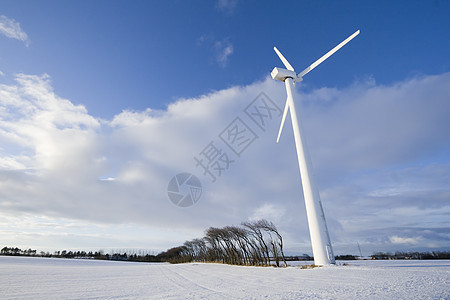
[[281, 74]]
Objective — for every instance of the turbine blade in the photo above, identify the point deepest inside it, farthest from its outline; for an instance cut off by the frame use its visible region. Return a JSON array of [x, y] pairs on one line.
[[284, 60], [286, 108], [331, 52]]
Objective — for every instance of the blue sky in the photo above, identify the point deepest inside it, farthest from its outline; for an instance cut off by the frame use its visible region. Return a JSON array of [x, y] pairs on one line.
[[132, 91], [152, 52]]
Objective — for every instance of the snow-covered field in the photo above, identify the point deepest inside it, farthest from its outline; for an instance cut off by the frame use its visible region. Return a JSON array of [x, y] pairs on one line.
[[46, 278]]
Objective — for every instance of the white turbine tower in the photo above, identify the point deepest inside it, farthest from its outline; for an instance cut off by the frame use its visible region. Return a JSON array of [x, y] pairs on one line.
[[320, 239]]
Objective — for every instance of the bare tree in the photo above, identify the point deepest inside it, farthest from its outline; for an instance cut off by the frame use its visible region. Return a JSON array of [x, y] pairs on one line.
[[213, 237], [255, 231], [251, 244], [271, 228], [239, 236]]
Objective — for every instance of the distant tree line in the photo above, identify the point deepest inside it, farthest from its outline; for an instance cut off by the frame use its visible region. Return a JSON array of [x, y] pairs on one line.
[[346, 257], [400, 255], [412, 255], [14, 251], [17, 251], [255, 243]]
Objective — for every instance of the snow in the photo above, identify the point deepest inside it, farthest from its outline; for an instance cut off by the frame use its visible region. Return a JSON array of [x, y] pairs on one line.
[[48, 278]]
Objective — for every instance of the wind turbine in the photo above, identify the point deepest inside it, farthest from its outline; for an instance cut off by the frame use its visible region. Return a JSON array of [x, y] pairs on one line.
[[320, 239]]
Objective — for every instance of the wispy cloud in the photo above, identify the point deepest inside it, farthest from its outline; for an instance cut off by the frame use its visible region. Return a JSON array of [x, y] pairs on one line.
[[373, 148], [11, 29], [223, 51], [227, 6]]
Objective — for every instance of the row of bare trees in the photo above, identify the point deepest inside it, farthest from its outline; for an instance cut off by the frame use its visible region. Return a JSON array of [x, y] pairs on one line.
[[252, 243]]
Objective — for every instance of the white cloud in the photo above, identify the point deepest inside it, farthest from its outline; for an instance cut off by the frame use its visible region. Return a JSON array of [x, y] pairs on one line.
[[375, 149], [11, 29], [402, 240], [224, 50], [53, 129], [268, 211], [372, 126]]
